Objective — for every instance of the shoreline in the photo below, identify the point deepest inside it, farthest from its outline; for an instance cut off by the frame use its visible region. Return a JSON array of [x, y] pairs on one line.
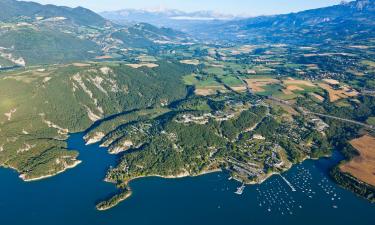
[[22, 176], [93, 139], [179, 176], [114, 200], [129, 191], [185, 175]]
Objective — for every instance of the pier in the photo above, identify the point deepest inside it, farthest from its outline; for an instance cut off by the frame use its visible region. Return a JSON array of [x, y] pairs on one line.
[[288, 183]]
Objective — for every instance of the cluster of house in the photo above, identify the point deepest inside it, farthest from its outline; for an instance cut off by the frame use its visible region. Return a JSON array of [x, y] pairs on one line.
[[319, 124], [235, 107]]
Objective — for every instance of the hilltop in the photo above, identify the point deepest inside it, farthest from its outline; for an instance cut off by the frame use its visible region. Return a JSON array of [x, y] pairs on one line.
[[32, 34], [31, 10]]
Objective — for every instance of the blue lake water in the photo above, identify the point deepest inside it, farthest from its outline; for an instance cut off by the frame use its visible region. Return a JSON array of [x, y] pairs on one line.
[[69, 198]]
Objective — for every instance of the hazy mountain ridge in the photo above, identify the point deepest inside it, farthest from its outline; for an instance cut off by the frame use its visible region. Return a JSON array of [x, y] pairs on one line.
[[345, 20], [175, 19], [336, 22], [141, 15]]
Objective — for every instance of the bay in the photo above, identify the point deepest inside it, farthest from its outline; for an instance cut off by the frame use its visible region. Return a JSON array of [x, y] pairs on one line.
[[70, 197]]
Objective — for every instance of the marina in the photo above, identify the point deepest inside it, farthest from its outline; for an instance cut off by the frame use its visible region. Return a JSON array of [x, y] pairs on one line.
[[287, 182], [211, 198]]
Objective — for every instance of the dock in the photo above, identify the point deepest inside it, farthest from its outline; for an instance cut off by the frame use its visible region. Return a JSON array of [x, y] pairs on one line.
[[240, 189], [288, 183]]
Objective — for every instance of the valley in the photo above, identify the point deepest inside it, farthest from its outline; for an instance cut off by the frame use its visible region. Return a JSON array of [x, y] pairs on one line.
[[166, 104]]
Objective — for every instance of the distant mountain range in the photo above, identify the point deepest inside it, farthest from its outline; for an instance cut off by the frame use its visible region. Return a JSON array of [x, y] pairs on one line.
[[154, 15], [353, 20], [347, 20], [167, 18], [31, 33]]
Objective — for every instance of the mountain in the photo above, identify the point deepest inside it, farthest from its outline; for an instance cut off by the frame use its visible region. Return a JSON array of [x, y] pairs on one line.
[[167, 18], [58, 100], [32, 10], [29, 46], [31, 33], [346, 20], [143, 35], [351, 20]]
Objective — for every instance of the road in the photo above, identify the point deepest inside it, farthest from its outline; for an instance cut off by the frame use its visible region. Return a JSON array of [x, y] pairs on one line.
[[304, 111], [338, 118]]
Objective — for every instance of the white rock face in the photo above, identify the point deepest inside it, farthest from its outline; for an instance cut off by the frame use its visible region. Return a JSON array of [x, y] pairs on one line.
[[19, 61], [125, 146], [98, 136], [97, 81], [10, 113], [60, 130], [106, 70], [26, 148], [46, 79], [77, 78], [92, 116]]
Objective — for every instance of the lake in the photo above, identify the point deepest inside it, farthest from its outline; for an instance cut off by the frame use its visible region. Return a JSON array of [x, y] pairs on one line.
[[69, 198]]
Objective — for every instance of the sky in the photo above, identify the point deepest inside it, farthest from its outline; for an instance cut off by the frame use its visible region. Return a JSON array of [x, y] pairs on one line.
[[235, 7]]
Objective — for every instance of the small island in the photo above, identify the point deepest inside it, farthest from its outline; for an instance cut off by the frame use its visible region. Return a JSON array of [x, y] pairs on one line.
[[113, 201]]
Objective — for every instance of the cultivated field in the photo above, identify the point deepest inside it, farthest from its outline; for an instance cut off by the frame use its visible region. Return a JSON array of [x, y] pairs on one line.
[[209, 90], [147, 58], [139, 65], [81, 64], [241, 88], [290, 88], [362, 167], [104, 57], [298, 83], [258, 84], [331, 81], [293, 87], [343, 92], [194, 62], [318, 97]]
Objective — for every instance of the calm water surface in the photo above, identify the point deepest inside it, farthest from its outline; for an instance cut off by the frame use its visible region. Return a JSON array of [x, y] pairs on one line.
[[69, 198]]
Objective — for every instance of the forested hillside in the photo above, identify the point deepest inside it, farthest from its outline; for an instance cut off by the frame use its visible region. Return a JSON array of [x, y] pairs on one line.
[[41, 106]]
